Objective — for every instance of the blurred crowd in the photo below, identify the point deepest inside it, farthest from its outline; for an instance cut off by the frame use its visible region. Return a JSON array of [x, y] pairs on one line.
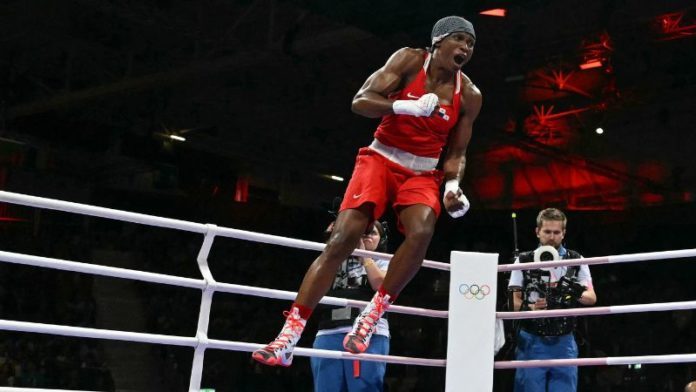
[[48, 296]]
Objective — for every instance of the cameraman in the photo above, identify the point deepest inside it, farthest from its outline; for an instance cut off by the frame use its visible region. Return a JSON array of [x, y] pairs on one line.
[[549, 288]]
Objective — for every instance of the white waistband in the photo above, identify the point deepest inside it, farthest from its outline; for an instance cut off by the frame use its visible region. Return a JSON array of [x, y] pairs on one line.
[[403, 158]]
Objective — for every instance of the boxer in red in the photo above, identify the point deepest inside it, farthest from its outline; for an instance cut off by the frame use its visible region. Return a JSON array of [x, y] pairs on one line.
[[425, 103]]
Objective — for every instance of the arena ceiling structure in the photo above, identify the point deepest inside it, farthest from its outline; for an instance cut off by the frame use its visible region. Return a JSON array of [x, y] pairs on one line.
[[100, 95]]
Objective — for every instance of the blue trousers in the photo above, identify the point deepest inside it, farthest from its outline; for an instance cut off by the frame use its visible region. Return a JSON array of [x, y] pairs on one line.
[[546, 379], [337, 375]]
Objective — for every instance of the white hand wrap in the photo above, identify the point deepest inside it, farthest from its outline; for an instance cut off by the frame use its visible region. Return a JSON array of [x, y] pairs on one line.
[[422, 107], [453, 186]]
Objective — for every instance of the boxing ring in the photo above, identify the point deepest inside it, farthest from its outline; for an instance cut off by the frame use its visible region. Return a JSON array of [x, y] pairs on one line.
[[471, 314]]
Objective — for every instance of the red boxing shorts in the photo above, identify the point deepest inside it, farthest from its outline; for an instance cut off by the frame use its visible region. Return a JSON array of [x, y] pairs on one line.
[[379, 181]]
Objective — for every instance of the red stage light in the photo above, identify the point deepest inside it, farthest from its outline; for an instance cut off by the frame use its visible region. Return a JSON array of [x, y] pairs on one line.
[[675, 25], [11, 219], [591, 64], [241, 192]]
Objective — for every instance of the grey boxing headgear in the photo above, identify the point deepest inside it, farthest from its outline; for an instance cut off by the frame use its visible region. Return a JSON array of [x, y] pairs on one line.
[[449, 25]]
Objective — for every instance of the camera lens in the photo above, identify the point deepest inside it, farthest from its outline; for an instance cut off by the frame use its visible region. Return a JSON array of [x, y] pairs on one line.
[[546, 256]]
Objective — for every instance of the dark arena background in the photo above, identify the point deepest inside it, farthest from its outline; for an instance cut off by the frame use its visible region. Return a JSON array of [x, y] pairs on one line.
[[237, 113]]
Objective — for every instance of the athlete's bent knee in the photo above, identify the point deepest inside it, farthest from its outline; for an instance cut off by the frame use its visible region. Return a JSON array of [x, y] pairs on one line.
[[420, 235], [341, 243]]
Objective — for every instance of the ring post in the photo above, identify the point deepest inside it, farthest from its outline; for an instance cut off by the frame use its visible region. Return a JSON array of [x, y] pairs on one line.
[[204, 312], [471, 324]]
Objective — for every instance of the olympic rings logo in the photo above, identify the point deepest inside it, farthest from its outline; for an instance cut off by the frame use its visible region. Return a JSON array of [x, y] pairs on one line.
[[474, 291]]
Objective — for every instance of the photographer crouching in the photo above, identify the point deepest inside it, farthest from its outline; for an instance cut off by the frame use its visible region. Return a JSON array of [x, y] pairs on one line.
[[549, 288]]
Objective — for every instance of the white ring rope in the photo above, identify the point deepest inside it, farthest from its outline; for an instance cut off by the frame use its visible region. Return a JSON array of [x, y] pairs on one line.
[[102, 270], [114, 272], [208, 285], [312, 352], [598, 310], [651, 256], [94, 333], [101, 212], [16, 389], [243, 346], [645, 359], [150, 220], [141, 337]]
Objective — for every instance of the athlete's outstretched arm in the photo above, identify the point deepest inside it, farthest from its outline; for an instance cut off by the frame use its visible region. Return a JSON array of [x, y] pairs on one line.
[[455, 160], [371, 100]]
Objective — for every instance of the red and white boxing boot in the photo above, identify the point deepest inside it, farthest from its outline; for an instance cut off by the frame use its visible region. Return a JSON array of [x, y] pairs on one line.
[[279, 351], [365, 325]]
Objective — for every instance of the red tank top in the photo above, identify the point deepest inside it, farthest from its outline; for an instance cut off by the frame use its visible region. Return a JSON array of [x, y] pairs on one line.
[[422, 136]]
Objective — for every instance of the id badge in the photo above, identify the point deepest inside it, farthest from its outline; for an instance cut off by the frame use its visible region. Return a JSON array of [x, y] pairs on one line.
[[340, 314]]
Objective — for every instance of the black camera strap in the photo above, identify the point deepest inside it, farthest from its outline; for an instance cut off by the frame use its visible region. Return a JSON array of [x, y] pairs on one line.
[[572, 271]]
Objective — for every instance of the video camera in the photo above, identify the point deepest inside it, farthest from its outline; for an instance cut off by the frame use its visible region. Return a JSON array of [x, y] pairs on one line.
[[562, 294], [568, 291]]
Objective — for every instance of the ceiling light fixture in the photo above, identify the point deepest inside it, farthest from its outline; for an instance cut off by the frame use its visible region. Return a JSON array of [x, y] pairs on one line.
[[499, 12]]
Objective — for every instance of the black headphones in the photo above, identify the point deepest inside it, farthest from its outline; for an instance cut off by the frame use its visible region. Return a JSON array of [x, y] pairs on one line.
[[383, 236]]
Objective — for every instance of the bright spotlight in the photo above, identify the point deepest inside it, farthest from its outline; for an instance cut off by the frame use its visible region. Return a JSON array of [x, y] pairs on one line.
[[499, 12], [599, 131]]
